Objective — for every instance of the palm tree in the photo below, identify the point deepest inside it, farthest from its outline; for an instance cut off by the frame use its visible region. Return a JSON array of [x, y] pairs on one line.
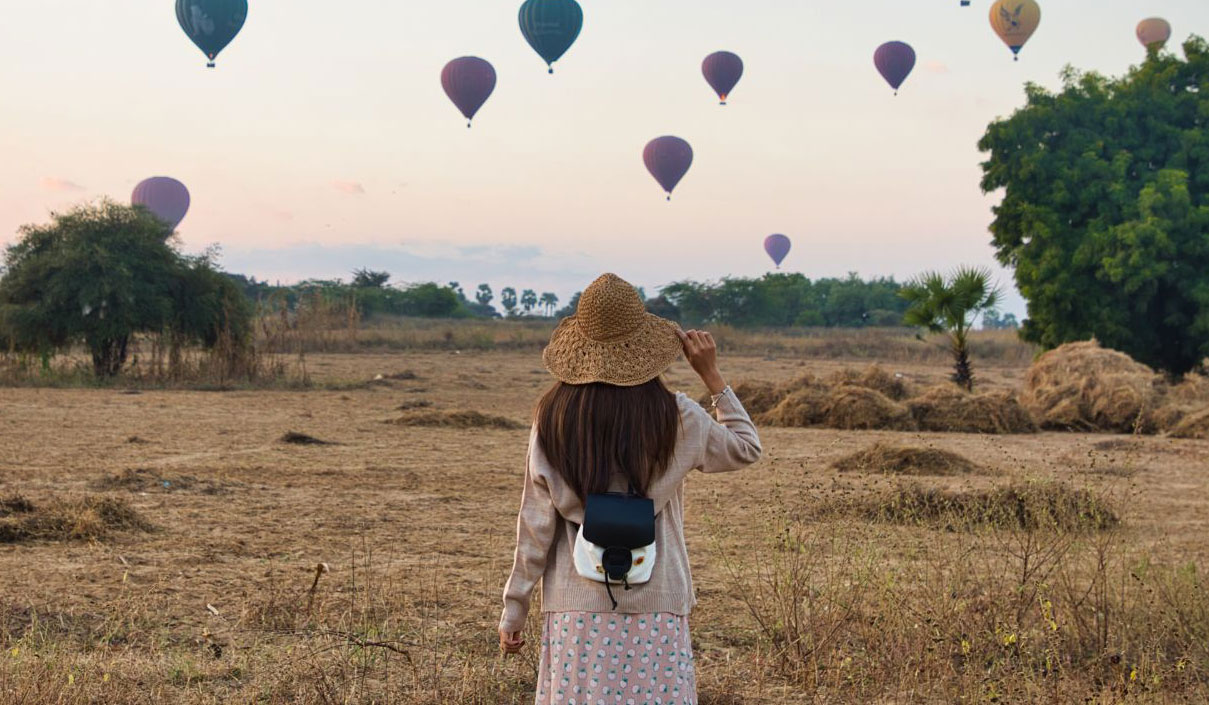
[[951, 305], [528, 300], [508, 299], [549, 301]]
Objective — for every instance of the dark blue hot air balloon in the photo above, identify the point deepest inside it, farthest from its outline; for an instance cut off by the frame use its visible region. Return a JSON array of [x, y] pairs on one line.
[[211, 24], [777, 246], [722, 70], [895, 61], [668, 159], [551, 27]]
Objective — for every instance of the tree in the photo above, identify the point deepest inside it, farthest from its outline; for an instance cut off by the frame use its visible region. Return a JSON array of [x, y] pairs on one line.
[[508, 300], [549, 301], [368, 279], [571, 307], [993, 321], [528, 300], [101, 274], [951, 305], [1106, 208], [484, 295]]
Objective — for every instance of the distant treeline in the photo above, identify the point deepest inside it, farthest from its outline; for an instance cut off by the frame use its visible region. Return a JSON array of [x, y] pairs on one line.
[[772, 301], [785, 300]]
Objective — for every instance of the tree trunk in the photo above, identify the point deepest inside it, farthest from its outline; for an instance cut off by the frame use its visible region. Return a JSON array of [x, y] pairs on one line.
[[109, 355], [963, 371]]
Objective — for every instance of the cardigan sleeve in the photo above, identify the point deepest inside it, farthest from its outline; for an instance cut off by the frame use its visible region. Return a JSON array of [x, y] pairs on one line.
[[732, 442], [535, 527]]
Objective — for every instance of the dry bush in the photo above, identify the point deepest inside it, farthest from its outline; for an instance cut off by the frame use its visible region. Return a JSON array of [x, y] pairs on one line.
[[457, 419], [1084, 387], [1024, 506], [947, 408], [874, 377], [86, 518], [887, 459]]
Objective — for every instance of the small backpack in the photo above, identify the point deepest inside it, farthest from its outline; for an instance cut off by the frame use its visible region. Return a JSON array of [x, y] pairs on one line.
[[616, 542]]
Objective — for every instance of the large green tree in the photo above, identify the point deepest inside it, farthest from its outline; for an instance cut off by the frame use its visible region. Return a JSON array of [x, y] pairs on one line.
[[1105, 213], [99, 275]]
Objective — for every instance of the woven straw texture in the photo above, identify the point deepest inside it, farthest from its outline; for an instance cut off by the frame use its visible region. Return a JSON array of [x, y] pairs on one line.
[[611, 339]]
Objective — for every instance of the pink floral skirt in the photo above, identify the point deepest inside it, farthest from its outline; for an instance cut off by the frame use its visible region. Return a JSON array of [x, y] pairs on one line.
[[606, 658]]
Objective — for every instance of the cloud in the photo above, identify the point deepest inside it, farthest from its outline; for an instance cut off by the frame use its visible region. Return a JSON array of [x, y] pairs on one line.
[[935, 66], [353, 188], [50, 183]]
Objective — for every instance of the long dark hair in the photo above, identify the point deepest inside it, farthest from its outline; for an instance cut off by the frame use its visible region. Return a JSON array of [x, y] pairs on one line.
[[591, 432]]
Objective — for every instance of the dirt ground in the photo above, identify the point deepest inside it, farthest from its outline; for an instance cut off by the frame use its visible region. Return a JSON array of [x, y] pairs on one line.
[[241, 508]]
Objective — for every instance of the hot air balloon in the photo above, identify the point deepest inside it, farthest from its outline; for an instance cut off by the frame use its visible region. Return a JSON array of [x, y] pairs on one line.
[[894, 60], [1015, 21], [551, 27], [468, 82], [668, 159], [777, 246], [722, 71], [211, 24], [965, 3], [165, 197], [1154, 33]]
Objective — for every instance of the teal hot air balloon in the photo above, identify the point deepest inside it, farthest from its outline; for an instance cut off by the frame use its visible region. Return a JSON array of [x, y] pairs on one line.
[[211, 24], [551, 27]]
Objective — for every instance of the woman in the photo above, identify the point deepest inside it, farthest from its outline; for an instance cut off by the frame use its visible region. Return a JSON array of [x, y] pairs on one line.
[[609, 425]]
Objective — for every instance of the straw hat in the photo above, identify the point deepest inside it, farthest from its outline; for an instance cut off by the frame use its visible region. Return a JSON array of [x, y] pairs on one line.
[[611, 339]]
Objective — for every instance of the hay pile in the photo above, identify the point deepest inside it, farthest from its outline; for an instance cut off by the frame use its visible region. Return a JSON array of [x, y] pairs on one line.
[[885, 459], [757, 396], [947, 408], [892, 386], [846, 407], [73, 519], [1084, 387], [457, 419], [302, 439], [1052, 506]]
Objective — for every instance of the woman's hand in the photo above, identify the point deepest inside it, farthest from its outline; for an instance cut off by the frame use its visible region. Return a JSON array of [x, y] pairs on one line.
[[702, 353], [511, 642]]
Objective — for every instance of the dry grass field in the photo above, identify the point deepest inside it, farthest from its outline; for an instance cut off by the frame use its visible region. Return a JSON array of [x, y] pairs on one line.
[[170, 546]]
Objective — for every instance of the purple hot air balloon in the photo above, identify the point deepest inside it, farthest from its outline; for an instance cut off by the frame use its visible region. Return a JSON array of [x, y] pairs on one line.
[[722, 70], [165, 197], [777, 246], [668, 159], [469, 82], [894, 60]]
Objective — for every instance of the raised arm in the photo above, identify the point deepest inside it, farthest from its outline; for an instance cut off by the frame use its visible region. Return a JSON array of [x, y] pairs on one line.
[[732, 443], [535, 526]]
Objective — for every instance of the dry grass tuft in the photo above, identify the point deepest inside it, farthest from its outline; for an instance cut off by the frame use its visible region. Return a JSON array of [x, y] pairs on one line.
[[87, 518], [148, 480], [1031, 507], [1084, 387], [887, 459], [302, 439], [946, 408], [458, 419]]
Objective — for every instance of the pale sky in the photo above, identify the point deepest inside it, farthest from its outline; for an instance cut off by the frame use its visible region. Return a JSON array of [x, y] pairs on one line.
[[323, 140]]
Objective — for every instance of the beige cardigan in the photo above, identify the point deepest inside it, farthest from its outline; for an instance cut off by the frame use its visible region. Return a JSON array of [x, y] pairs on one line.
[[550, 515]]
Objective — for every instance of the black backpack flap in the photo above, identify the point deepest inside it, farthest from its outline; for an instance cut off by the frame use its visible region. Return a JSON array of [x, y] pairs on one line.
[[618, 520]]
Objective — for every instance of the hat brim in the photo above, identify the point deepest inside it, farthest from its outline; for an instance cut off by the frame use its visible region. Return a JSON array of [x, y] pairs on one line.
[[636, 359]]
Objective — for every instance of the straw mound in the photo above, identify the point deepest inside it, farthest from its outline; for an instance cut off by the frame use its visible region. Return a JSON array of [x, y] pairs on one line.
[[875, 378], [902, 460], [946, 408], [457, 419], [82, 518], [846, 407], [1083, 387], [1053, 506], [1193, 425], [302, 439]]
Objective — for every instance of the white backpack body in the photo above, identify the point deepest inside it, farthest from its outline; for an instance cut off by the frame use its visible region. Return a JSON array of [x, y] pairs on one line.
[[589, 561]]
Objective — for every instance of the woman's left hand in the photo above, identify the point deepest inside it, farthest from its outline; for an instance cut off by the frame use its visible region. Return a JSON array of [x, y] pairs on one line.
[[511, 642]]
